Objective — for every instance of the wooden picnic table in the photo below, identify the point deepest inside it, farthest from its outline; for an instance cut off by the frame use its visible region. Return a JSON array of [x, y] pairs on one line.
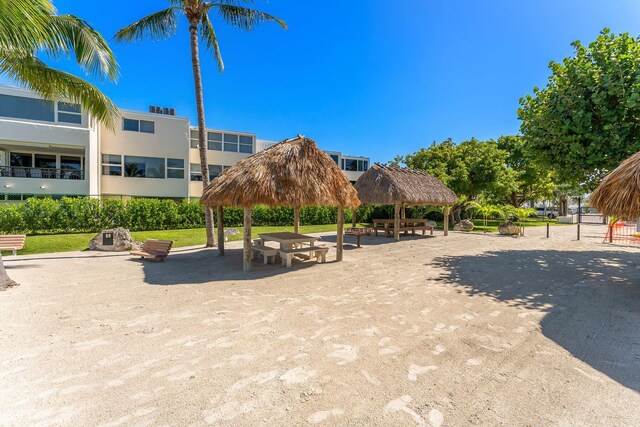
[[406, 225], [287, 239], [288, 242]]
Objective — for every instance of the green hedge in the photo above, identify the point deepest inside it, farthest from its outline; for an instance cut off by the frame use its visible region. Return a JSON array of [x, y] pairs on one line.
[[79, 214]]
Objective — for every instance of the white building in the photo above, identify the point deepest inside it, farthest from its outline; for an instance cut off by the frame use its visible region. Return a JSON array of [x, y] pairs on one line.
[[54, 148]]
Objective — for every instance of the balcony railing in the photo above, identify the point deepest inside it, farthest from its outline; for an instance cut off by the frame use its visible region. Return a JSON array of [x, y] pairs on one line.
[[41, 173]]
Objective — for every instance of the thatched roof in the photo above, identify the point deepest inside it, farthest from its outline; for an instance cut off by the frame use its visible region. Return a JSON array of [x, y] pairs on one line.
[[390, 185], [294, 172], [619, 192]]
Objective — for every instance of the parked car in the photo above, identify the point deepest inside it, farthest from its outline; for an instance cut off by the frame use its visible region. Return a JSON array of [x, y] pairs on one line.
[[550, 213]]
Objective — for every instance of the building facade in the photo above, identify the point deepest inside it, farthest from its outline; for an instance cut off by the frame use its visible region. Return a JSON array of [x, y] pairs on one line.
[[54, 148]]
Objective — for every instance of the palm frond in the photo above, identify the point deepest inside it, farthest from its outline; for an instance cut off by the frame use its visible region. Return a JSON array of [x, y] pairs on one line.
[[22, 23], [157, 26], [68, 34], [243, 17], [211, 40], [53, 84]]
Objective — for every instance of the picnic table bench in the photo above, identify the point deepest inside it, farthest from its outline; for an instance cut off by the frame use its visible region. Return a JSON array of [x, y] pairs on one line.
[[358, 232], [266, 251], [406, 225], [12, 242], [319, 252]]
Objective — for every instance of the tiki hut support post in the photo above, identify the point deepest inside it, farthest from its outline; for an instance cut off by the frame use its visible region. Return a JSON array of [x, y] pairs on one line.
[[340, 234], [220, 215], [247, 255], [296, 219], [403, 214], [446, 220], [354, 218], [396, 222]]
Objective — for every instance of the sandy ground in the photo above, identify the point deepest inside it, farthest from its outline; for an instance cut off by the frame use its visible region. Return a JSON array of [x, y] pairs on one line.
[[465, 330]]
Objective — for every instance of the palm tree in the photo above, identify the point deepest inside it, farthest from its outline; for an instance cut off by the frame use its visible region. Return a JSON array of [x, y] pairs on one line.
[[486, 210], [163, 24], [29, 27]]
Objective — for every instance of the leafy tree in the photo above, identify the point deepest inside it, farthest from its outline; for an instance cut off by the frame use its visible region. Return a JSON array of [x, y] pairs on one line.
[[163, 24], [532, 181], [32, 27], [587, 119], [470, 168]]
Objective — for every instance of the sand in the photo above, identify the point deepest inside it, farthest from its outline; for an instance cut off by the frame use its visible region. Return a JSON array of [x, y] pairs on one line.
[[465, 330]]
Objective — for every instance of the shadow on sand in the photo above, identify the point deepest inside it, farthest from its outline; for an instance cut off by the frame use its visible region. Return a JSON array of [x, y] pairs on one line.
[[592, 299]]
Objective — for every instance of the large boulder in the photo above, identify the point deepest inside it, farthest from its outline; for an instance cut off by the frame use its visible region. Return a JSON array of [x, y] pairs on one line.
[[508, 228], [464, 225], [230, 232], [122, 241], [431, 223]]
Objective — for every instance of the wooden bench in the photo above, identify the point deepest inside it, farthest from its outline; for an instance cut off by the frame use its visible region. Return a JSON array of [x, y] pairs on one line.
[[357, 232], [320, 252], [266, 252], [12, 242], [413, 229], [154, 249]]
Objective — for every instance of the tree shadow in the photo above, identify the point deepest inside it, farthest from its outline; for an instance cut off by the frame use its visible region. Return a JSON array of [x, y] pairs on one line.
[[204, 266], [592, 299]]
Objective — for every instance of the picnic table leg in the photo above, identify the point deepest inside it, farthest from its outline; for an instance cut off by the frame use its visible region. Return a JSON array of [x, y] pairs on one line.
[[358, 239]]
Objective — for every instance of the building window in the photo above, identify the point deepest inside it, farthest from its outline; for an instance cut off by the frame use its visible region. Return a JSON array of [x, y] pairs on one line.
[[143, 167], [355, 165], [231, 142], [144, 126], [214, 141], [214, 171], [246, 144], [193, 140], [47, 161], [196, 172], [20, 107], [175, 168], [69, 113], [21, 160], [112, 164], [335, 158]]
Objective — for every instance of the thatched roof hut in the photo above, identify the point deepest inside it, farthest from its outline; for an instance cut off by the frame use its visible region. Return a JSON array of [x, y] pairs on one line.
[[389, 185], [293, 173], [619, 192], [403, 187]]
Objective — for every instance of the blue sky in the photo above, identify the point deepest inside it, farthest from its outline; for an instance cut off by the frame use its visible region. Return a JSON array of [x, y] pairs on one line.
[[365, 77]]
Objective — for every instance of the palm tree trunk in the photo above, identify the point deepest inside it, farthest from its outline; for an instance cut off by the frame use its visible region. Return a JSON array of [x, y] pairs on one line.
[[202, 130], [5, 280]]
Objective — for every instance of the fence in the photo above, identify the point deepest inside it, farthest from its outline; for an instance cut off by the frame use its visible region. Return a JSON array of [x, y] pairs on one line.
[[623, 232]]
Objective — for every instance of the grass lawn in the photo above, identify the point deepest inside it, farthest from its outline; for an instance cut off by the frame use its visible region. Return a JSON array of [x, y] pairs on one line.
[[48, 243]]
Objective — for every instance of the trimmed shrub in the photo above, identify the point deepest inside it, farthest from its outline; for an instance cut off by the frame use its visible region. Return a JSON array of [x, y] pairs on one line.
[[11, 219]]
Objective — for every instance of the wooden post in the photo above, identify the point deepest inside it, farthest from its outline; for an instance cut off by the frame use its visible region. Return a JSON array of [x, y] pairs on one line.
[[247, 253], [404, 212], [340, 235], [396, 222], [354, 221], [296, 219], [446, 220], [220, 215]]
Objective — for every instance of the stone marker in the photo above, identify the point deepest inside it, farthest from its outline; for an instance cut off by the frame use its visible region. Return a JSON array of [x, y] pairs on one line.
[[508, 228], [122, 241], [464, 225]]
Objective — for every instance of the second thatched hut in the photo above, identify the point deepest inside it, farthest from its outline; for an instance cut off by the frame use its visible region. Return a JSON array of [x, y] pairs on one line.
[[293, 173], [388, 185], [619, 192]]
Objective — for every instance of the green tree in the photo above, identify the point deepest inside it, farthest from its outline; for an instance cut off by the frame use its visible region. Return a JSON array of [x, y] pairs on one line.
[[163, 24], [587, 119], [487, 210], [32, 27], [470, 168], [532, 181]]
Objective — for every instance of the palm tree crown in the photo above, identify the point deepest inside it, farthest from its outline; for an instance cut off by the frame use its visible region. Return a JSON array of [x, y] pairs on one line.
[[30, 27]]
